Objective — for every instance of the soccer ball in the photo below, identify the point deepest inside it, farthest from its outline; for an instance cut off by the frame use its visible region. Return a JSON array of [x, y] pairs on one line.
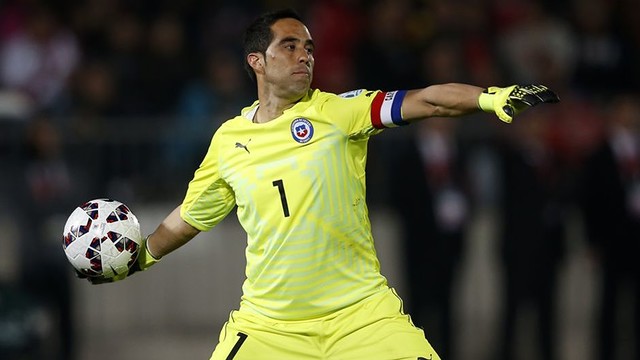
[[102, 238]]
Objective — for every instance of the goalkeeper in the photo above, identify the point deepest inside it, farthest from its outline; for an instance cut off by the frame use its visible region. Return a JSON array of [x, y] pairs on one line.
[[293, 163]]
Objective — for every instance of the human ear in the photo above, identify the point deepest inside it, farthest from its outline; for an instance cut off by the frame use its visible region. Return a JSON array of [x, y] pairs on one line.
[[256, 61]]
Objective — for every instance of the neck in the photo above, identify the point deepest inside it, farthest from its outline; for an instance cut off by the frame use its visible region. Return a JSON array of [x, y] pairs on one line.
[[269, 110], [272, 105]]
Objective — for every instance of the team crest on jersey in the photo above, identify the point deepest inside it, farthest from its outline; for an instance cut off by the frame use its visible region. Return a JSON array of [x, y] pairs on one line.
[[301, 130]]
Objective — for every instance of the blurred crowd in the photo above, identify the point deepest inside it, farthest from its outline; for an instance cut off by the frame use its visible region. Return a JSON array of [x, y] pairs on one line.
[[120, 98]]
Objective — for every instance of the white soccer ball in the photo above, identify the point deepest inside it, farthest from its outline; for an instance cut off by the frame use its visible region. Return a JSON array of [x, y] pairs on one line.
[[102, 238]]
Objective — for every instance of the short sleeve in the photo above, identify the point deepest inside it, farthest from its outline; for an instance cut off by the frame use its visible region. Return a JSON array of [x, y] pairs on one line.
[[209, 198], [366, 112]]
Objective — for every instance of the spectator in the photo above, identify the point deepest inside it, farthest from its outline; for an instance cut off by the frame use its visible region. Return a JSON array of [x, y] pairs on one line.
[[607, 62], [48, 190], [385, 55], [434, 207], [537, 45], [532, 233], [125, 37], [216, 94], [38, 60], [165, 66], [330, 20], [611, 208]]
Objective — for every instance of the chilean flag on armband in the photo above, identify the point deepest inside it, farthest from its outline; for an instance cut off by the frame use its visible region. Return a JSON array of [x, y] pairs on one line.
[[385, 109]]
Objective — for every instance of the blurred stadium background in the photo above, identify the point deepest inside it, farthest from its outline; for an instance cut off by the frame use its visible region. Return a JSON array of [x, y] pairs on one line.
[[113, 98]]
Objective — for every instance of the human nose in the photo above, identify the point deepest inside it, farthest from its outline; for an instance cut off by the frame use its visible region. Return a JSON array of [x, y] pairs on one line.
[[305, 56]]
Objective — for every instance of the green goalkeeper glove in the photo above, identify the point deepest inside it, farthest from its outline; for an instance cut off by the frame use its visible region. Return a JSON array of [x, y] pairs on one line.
[[144, 261], [510, 101]]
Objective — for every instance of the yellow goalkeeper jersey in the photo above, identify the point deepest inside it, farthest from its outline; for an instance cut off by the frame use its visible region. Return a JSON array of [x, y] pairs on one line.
[[299, 185]]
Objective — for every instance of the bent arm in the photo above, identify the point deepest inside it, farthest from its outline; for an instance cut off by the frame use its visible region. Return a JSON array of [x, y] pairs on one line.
[[443, 100], [171, 234]]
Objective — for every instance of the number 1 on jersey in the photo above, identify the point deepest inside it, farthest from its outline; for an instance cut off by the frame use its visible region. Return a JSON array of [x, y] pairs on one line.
[[283, 196]]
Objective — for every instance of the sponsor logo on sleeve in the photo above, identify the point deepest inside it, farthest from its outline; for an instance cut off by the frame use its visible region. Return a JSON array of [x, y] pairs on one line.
[[351, 94]]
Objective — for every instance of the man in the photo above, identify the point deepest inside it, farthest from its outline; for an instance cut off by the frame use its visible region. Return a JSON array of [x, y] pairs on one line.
[[436, 194], [610, 204], [294, 165]]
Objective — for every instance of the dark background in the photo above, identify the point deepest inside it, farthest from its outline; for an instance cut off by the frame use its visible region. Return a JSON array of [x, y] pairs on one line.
[[109, 98]]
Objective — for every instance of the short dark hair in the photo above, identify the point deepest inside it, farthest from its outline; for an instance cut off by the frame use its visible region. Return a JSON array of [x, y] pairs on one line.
[[258, 34]]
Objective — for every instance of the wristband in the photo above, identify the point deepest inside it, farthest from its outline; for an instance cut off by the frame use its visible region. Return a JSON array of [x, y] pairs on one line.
[[146, 246], [485, 101], [145, 257]]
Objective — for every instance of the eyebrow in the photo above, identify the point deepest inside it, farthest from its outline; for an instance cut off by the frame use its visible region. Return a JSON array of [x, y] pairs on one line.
[[296, 40]]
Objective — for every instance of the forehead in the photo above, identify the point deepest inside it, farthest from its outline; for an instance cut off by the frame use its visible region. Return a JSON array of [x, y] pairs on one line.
[[290, 28]]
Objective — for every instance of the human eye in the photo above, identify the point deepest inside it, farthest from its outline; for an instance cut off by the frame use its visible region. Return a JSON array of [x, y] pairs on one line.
[[309, 47]]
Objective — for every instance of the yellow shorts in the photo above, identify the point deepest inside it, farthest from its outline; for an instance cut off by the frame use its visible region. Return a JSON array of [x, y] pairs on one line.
[[374, 328]]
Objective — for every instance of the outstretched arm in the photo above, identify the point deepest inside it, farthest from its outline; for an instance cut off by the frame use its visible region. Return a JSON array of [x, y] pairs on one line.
[[447, 100], [444, 100]]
